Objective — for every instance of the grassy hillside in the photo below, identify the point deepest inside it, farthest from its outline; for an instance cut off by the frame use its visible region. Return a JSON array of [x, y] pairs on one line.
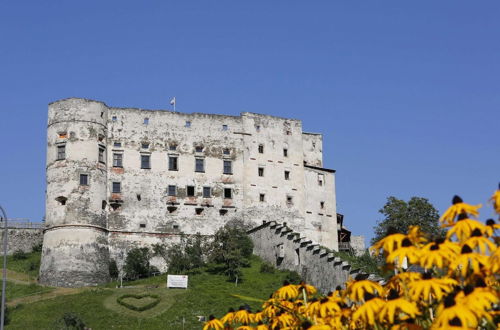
[[97, 307]]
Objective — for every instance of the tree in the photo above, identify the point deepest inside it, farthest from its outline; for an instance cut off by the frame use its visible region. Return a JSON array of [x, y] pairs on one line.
[[137, 263], [184, 256], [400, 215]]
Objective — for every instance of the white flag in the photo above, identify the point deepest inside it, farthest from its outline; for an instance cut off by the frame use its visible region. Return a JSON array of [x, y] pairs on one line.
[[172, 101]]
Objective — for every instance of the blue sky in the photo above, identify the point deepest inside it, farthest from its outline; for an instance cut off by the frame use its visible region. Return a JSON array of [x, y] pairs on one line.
[[407, 94]]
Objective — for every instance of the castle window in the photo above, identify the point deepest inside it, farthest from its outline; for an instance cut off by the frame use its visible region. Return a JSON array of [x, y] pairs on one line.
[[226, 151], [228, 167], [198, 211], [62, 200], [207, 192], [287, 175], [288, 132], [261, 171], [199, 165], [63, 135], [103, 205], [172, 190], [190, 191], [262, 197], [145, 145], [116, 187], [146, 161], [289, 200], [322, 205], [117, 160], [142, 225], [84, 179], [261, 148], [222, 212], [172, 163], [138, 196], [61, 152], [228, 193], [113, 118], [321, 179], [117, 144], [146, 121], [257, 128], [224, 127], [101, 155], [188, 124], [198, 148], [172, 147], [100, 138], [172, 209], [285, 152]]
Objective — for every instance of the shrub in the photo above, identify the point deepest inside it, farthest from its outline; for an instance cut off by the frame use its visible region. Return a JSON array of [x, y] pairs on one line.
[[37, 247], [113, 269], [267, 268], [293, 277], [19, 255], [137, 263], [33, 265], [69, 321], [185, 256], [152, 304]]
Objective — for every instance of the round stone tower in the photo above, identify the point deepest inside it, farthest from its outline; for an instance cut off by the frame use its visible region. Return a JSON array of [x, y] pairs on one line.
[[75, 243]]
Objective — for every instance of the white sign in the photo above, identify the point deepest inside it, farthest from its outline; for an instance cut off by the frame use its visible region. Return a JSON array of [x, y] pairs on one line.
[[177, 281]]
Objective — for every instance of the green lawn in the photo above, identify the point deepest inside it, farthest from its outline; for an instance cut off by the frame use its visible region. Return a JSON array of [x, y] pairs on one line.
[[29, 266], [207, 294], [16, 290]]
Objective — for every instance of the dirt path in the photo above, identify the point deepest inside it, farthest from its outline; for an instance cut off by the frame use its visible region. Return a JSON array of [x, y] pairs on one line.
[[16, 277], [44, 296]]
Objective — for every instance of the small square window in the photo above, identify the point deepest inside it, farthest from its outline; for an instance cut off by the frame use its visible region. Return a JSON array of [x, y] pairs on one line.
[[172, 190], [146, 161], [61, 152], [228, 167], [224, 127], [117, 160], [84, 179], [261, 171], [63, 135], [114, 118], [261, 148], [142, 225], [207, 192], [287, 175], [146, 121], [198, 149], [198, 210], [117, 144], [101, 155], [228, 194], [262, 197], [172, 147], [285, 152], [173, 163], [322, 205], [226, 151], [190, 191], [199, 165], [117, 187], [257, 128], [145, 145], [188, 124], [289, 200], [320, 179]]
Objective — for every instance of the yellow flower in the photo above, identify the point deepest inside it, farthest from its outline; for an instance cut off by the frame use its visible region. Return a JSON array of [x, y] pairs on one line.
[[328, 308], [213, 323], [464, 227], [365, 314], [287, 291], [229, 317], [243, 316], [309, 289], [407, 250], [494, 262], [258, 317], [395, 306], [467, 259], [457, 208], [261, 326], [449, 313], [496, 200], [245, 327], [415, 235], [388, 243], [438, 253], [400, 281], [357, 289], [437, 287], [286, 320], [312, 309], [481, 242], [479, 299]]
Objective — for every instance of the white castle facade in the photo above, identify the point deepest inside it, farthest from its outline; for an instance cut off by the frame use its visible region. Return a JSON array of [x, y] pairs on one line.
[[119, 178]]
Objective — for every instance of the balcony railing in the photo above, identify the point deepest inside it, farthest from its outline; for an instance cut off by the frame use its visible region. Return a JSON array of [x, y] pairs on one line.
[[22, 223], [345, 246]]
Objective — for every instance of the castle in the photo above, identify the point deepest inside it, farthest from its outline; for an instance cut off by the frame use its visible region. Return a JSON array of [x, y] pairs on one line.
[[119, 178]]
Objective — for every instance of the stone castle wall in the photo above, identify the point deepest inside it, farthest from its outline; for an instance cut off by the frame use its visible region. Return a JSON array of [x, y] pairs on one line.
[[22, 239]]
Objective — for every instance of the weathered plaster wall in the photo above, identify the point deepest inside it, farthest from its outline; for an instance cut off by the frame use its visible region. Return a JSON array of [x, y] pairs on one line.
[[287, 249], [358, 244], [23, 239]]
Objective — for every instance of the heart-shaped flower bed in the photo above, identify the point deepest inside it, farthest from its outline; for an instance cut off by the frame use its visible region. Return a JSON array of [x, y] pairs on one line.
[[138, 302]]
